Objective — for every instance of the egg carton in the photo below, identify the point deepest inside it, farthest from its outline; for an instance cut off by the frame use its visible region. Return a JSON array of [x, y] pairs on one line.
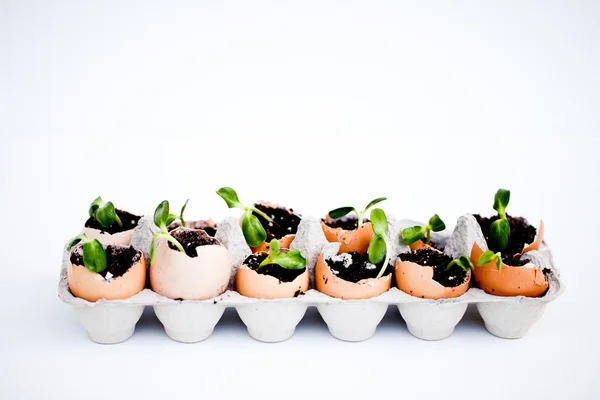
[[187, 321]]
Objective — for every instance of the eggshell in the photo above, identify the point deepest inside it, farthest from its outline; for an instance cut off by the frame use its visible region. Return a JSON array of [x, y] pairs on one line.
[[509, 281], [331, 285], [91, 286], [419, 245], [284, 243], [351, 240], [250, 283], [538, 239], [417, 280], [175, 275], [122, 238]]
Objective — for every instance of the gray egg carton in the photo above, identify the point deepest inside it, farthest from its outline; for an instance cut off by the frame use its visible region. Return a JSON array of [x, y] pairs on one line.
[[113, 321]]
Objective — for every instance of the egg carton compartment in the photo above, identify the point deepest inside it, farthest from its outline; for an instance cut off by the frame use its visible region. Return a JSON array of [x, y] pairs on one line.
[[191, 321]]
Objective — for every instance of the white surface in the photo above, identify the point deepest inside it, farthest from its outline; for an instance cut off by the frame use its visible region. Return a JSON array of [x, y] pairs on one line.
[[197, 87]]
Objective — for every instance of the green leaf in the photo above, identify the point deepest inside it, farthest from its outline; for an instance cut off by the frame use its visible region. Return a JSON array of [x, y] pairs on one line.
[[412, 234], [499, 234], [170, 219], [254, 233], [230, 197], [107, 215], [94, 206], [293, 259], [487, 257], [377, 249], [436, 223], [79, 238], [501, 200], [373, 202], [94, 256], [463, 262], [379, 222], [340, 212], [181, 212], [161, 214]]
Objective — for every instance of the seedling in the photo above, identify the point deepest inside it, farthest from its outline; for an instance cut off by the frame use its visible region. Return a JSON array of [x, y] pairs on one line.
[[343, 211], [489, 256], [414, 233], [500, 228], [379, 245], [181, 212], [162, 219], [94, 256], [463, 262], [293, 259], [104, 213], [254, 233]]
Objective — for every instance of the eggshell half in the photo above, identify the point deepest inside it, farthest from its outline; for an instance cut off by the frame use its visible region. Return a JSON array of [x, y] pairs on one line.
[[250, 283], [355, 240], [175, 275], [417, 281], [509, 281], [419, 245], [122, 238], [538, 239], [91, 286], [284, 243], [331, 285]]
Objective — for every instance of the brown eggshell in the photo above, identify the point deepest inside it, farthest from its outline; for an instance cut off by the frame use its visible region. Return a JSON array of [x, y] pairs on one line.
[[175, 275], [355, 240], [509, 281], [284, 243], [538, 239], [250, 283], [417, 281], [91, 286], [121, 238], [419, 245], [331, 285]]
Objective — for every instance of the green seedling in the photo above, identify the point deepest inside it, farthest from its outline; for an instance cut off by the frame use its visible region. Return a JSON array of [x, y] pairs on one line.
[[162, 219], [254, 232], [343, 211], [379, 245], [181, 212], [489, 256], [462, 262], [104, 213], [293, 259], [94, 256], [500, 228], [414, 233]]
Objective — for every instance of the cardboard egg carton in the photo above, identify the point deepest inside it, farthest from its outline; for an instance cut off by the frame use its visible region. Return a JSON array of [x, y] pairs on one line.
[[113, 321]]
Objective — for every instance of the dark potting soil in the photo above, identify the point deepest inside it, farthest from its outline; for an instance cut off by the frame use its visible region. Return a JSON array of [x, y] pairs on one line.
[[274, 270], [520, 233], [285, 221], [209, 227], [348, 222], [129, 221], [438, 261], [353, 267], [190, 239], [118, 259]]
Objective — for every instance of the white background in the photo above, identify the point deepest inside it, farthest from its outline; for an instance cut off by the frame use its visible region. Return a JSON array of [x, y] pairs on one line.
[[315, 105]]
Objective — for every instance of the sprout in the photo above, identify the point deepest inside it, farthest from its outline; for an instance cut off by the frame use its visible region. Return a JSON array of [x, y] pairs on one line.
[[94, 256], [342, 211], [162, 219], [181, 212], [254, 232], [414, 233], [104, 213], [463, 262], [500, 228], [489, 256], [293, 259], [379, 245]]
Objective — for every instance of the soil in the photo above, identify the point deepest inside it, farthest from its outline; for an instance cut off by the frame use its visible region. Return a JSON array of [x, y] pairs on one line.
[[285, 221], [438, 261], [353, 267], [207, 226], [274, 270], [129, 221], [190, 239], [119, 259], [520, 233], [347, 223]]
